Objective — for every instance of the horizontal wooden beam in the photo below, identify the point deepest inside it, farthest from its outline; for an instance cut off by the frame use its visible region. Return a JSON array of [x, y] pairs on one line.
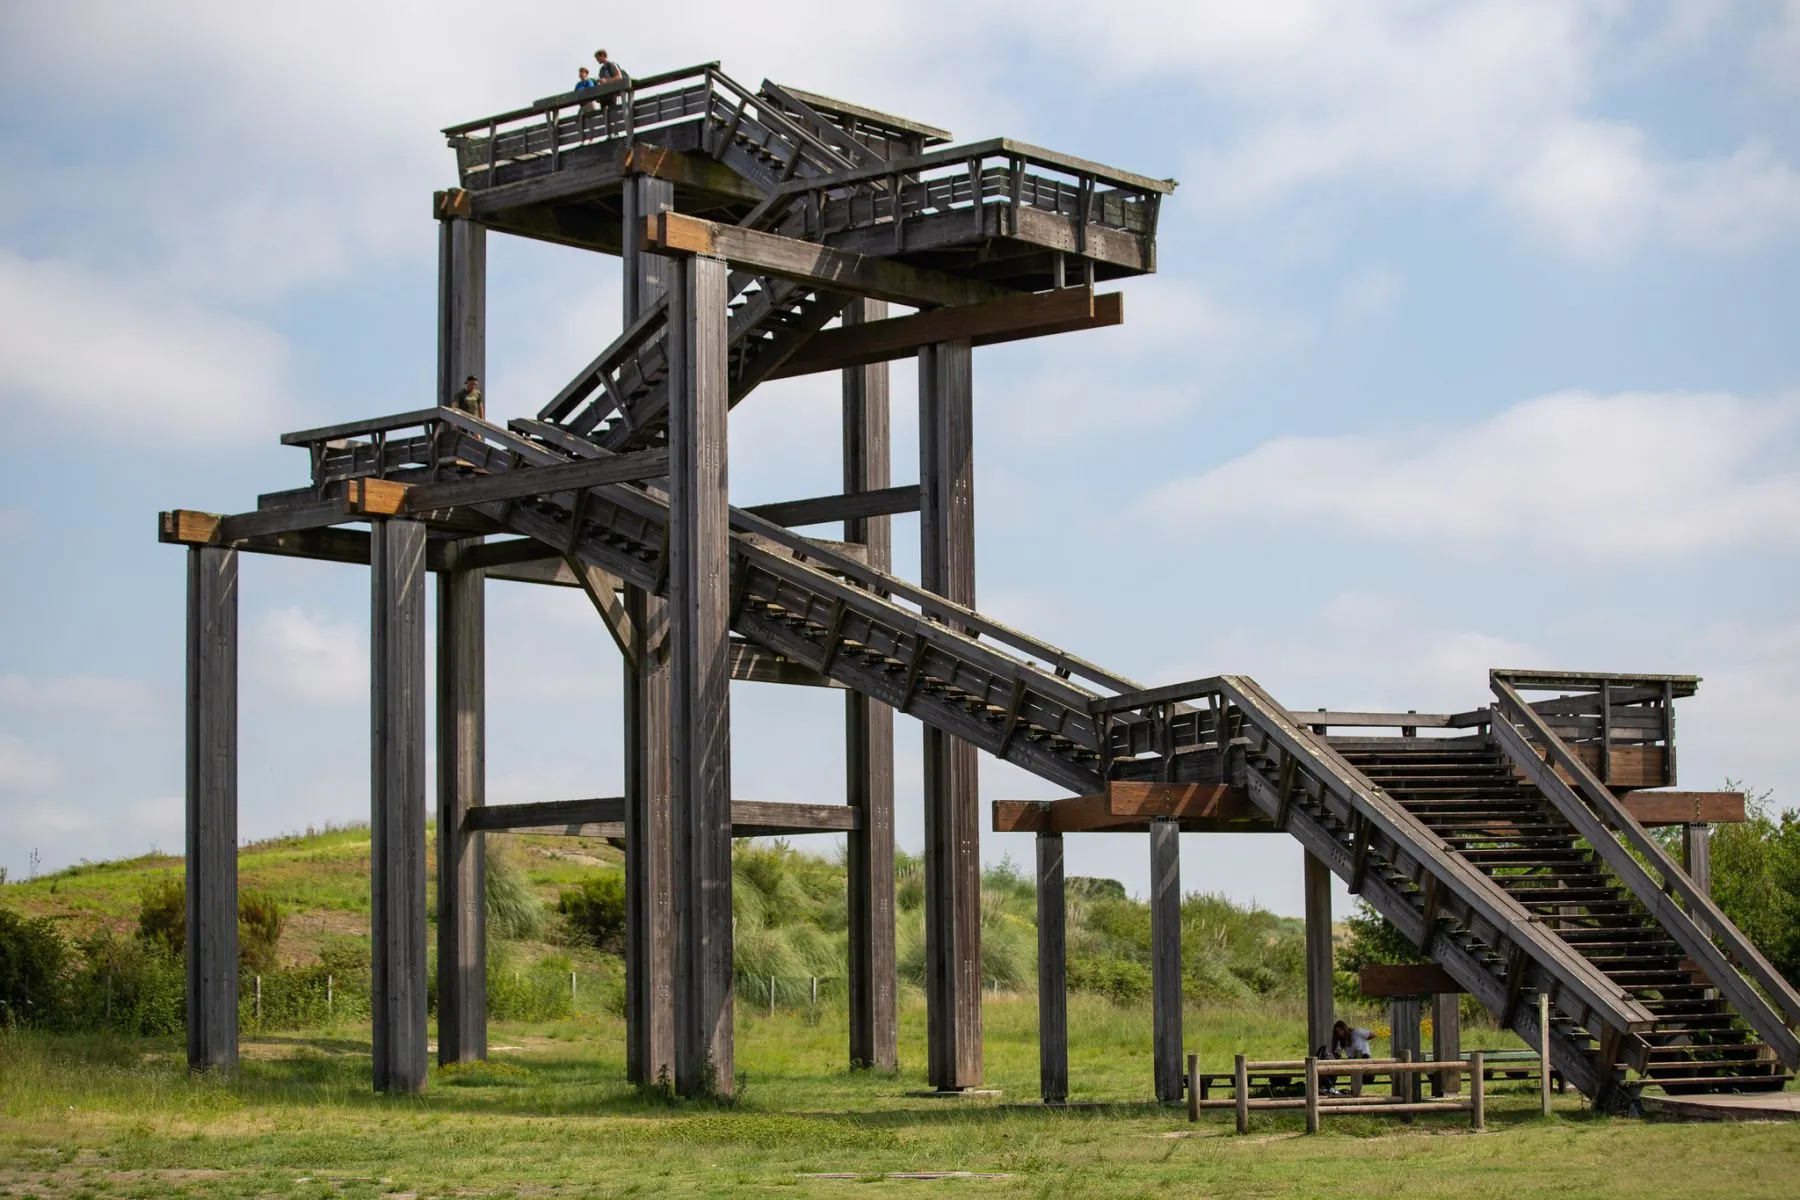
[[688, 171], [749, 818], [383, 497], [1406, 979], [852, 506], [809, 263], [1684, 808], [1008, 319], [1128, 806]]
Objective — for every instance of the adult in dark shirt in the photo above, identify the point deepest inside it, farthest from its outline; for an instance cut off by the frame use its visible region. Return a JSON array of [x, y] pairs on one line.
[[469, 398], [607, 71]]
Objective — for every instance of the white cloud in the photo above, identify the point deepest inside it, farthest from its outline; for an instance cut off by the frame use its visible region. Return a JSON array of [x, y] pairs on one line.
[[1596, 189], [108, 353], [26, 768], [1607, 477], [94, 695], [309, 658]]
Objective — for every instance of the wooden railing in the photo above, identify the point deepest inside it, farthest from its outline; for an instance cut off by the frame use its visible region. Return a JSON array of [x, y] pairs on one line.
[[1621, 726], [1684, 910], [837, 191]]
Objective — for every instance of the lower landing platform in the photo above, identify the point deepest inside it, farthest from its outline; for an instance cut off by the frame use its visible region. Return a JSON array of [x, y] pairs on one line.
[[1736, 1106]]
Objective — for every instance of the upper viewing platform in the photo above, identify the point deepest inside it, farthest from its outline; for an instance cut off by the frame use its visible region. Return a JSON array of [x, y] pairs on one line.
[[807, 166]]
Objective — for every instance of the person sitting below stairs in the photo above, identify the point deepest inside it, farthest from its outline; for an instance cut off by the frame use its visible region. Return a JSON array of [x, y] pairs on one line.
[[469, 399], [1348, 1042]]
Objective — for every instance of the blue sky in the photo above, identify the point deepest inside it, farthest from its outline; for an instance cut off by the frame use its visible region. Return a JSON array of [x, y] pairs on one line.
[[1473, 345]]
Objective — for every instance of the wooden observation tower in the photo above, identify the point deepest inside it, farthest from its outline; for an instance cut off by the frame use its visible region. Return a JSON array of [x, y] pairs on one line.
[[1502, 841]]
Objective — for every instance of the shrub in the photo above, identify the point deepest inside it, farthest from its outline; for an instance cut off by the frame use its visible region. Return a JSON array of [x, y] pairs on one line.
[[162, 914], [513, 909], [1121, 980], [596, 910], [128, 985], [33, 957], [162, 922]]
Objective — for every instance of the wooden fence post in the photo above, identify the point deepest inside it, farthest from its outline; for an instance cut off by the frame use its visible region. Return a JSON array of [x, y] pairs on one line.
[[1312, 1094], [1240, 1072], [1193, 1087], [1544, 1052], [1477, 1091]]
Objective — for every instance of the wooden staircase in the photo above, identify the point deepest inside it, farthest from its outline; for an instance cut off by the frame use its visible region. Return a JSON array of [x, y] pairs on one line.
[[1466, 791]]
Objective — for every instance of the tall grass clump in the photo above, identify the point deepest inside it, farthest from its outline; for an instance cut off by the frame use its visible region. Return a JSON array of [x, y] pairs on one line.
[[513, 909]]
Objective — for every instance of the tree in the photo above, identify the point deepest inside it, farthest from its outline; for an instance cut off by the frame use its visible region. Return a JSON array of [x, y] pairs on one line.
[[1756, 878]]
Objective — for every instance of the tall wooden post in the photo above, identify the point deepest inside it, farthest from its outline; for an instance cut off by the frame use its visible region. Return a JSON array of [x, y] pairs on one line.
[[462, 295], [1446, 1039], [1320, 1010], [397, 804], [1403, 1041], [461, 711], [700, 679], [952, 797], [1053, 971], [461, 785], [649, 901], [1696, 854], [869, 737], [1165, 956], [211, 865]]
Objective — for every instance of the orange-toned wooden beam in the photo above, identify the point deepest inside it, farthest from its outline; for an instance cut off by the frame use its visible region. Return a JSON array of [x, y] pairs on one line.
[[1684, 808]]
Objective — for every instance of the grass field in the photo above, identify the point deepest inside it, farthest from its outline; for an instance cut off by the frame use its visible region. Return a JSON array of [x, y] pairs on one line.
[[551, 1116]]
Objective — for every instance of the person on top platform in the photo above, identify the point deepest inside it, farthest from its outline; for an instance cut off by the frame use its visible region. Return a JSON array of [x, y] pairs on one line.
[[469, 399]]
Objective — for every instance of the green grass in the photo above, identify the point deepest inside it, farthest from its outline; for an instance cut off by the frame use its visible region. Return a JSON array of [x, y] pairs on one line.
[[550, 1115]]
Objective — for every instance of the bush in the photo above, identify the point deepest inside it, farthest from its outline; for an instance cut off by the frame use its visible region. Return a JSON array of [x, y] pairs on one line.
[[162, 922], [128, 985], [513, 909], [1121, 980], [1756, 879], [596, 910], [33, 957]]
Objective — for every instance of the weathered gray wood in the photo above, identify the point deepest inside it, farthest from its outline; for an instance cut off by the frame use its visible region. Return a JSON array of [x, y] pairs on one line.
[[649, 834], [1446, 1039], [461, 788], [952, 797], [1009, 319], [1320, 1009], [1404, 1043], [1053, 971], [397, 805], [868, 503], [700, 676], [212, 811], [538, 481], [1165, 957], [494, 818], [462, 304], [811, 263], [1696, 854], [869, 735]]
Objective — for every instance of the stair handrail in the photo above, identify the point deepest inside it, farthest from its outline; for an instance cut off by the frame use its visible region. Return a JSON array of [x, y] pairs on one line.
[[1591, 807], [1576, 973]]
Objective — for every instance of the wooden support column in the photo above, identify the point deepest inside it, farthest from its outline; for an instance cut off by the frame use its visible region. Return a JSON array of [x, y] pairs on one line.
[[1696, 854], [700, 678], [1053, 971], [1446, 1039], [952, 797], [461, 786], [869, 736], [649, 901], [462, 298], [1320, 1009], [1165, 956], [212, 876], [397, 804], [1403, 1041]]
